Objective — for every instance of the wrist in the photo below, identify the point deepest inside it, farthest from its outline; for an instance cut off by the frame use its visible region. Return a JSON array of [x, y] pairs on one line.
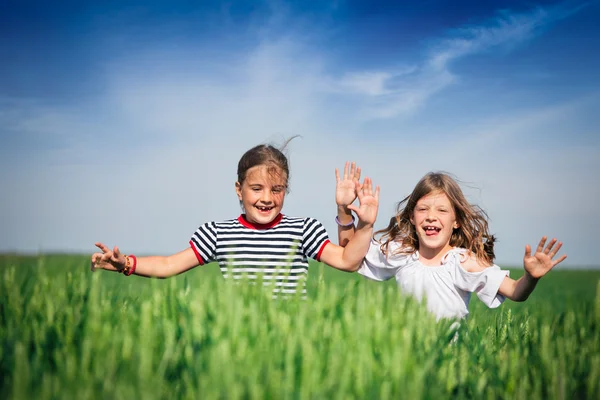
[[530, 277], [345, 221], [343, 211], [344, 217], [364, 225], [130, 265]]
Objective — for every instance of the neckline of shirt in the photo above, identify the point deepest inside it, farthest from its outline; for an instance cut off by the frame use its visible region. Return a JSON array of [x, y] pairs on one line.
[[445, 258], [242, 220]]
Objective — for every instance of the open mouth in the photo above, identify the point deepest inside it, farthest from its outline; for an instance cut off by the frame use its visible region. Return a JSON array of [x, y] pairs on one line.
[[264, 209], [431, 230]]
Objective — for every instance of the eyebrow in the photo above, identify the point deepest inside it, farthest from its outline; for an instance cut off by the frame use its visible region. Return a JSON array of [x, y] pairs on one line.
[[272, 187]]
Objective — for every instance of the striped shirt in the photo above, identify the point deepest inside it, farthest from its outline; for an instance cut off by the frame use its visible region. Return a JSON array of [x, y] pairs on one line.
[[276, 253]]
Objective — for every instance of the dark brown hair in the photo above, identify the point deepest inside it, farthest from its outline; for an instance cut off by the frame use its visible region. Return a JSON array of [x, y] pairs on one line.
[[269, 155], [472, 232]]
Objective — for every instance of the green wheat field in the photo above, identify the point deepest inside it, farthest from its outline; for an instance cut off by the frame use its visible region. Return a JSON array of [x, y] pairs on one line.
[[67, 333]]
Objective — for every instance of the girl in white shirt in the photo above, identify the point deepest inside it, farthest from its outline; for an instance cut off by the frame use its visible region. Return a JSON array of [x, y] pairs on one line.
[[438, 247]]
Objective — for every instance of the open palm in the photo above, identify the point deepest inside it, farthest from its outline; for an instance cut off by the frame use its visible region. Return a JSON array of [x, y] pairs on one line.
[[538, 264], [369, 202], [346, 188]]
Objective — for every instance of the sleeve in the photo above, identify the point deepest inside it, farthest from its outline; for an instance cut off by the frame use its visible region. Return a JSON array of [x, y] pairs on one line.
[[377, 266], [204, 243], [484, 283], [314, 238]]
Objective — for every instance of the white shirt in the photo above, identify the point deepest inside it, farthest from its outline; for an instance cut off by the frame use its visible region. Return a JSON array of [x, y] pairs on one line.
[[447, 287]]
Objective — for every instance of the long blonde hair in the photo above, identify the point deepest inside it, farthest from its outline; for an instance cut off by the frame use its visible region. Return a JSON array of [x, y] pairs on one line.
[[472, 233]]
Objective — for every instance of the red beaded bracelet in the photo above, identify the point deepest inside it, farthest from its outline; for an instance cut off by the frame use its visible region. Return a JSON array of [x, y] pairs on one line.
[[132, 269]]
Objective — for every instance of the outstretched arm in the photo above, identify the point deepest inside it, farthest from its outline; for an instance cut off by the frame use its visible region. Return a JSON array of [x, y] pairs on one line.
[[153, 266], [345, 193], [349, 258], [536, 266]]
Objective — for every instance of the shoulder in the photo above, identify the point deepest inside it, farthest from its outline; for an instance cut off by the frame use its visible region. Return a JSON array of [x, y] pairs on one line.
[[228, 223], [288, 219], [308, 222], [302, 223], [392, 258], [220, 225], [470, 262]]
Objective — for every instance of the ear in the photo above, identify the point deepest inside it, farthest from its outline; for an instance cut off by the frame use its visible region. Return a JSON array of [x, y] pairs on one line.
[[412, 221], [238, 190], [456, 225]]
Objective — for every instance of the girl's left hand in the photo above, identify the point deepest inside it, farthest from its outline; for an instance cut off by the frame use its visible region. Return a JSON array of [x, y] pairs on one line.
[[542, 261], [369, 202], [346, 188]]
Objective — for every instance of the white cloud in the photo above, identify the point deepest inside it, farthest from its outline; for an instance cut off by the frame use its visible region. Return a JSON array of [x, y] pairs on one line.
[[392, 93]]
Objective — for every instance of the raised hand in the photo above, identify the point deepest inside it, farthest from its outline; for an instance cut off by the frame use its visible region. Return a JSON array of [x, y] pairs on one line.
[[346, 188], [538, 264], [108, 257], [369, 202]]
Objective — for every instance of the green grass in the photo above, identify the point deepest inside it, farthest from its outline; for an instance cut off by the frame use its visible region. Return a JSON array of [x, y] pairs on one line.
[[68, 333]]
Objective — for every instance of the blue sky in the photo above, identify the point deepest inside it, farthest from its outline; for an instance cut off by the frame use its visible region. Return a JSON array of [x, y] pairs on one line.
[[123, 122]]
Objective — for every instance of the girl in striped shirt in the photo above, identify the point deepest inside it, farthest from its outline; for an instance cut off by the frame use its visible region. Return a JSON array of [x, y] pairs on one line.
[[261, 243]]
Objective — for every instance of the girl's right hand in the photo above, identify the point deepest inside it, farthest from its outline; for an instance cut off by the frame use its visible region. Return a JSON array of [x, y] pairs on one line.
[[346, 188], [108, 259]]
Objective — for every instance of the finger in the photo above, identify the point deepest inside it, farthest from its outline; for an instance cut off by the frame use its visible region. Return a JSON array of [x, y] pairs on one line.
[[346, 170], [102, 247], [551, 244], [555, 250], [359, 190], [337, 176], [357, 175], [352, 170], [541, 244], [92, 266], [561, 259], [377, 193], [116, 254], [97, 257], [528, 250], [367, 187]]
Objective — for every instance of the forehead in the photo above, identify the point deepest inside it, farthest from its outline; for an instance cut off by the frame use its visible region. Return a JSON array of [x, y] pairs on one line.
[[435, 198], [265, 174]]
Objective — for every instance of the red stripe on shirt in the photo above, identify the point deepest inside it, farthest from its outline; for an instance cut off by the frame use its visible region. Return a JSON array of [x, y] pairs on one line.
[[321, 249], [198, 256]]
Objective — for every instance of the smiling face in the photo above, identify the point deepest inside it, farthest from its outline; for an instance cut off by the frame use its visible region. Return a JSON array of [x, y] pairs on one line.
[[262, 193], [434, 219]]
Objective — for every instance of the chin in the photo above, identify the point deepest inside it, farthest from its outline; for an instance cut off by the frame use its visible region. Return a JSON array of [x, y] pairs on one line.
[[437, 244], [264, 219]]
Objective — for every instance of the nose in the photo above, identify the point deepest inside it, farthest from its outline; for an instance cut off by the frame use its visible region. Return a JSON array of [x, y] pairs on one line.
[[267, 197], [431, 216]]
